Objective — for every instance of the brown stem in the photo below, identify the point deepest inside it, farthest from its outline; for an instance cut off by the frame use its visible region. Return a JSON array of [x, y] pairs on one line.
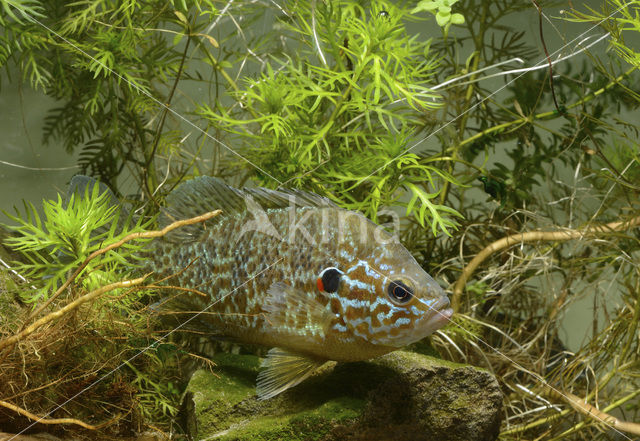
[[591, 411], [128, 238], [73, 305], [40, 420], [532, 236], [546, 52], [163, 117]]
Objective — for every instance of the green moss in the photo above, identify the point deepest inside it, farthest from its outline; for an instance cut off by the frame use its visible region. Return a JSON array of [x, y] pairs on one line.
[[400, 360], [362, 396], [216, 393], [237, 383], [222, 403], [306, 425], [9, 309]]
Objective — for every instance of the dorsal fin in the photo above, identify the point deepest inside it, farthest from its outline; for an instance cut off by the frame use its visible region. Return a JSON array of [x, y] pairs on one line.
[[195, 197], [203, 194], [81, 184], [282, 198]]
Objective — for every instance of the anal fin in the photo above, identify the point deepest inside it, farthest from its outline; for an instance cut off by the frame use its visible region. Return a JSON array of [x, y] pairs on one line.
[[284, 369]]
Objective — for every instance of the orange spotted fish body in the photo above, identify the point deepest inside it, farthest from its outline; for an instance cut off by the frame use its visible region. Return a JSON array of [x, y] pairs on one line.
[[292, 271]]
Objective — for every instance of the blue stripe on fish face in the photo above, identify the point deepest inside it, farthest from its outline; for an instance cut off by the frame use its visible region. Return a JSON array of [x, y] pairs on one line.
[[368, 312], [219, 258], [367, 269]]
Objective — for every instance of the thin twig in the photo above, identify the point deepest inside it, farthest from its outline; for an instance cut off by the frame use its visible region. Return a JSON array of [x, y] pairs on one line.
[[128, 238], [71, 306], [546, 53], [548, 115], [163, 117], [533, 236], [591, 411], [40, 420]]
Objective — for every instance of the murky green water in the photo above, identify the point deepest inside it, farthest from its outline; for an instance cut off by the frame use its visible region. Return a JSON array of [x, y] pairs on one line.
[[23, 173], [32, 172]]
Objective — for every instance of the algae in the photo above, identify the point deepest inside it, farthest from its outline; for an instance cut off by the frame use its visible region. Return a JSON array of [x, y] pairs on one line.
[[224, 399], [9, 308], [399, 396], [306, 425]]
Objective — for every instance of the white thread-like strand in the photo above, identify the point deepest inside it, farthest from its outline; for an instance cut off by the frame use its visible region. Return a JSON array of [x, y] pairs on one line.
[[133, 357], [157, 101], [315, 34], [482, 101], [16, 273], [540, 66], [493, 66], [25, 167], [536, 376]]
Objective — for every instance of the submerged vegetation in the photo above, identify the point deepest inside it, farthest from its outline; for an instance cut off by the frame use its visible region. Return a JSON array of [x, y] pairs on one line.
[[72, 231], [521, 192]]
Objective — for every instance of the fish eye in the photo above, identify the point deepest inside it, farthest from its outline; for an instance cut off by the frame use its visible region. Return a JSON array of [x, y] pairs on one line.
[[399, 292], [329, 279]]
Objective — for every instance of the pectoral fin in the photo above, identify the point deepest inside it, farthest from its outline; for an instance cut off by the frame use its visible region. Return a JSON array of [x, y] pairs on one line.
[[284, 369], [295, 312]]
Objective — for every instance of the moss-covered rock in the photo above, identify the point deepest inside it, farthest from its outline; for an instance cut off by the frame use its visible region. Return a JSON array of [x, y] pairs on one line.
[[401, 396]]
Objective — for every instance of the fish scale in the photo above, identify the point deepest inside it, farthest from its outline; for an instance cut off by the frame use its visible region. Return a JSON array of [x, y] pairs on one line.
[[263, 268], [221, 269]]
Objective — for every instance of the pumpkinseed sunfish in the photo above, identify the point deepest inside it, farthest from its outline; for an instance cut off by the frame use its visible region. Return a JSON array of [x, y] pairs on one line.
[[292, 271]]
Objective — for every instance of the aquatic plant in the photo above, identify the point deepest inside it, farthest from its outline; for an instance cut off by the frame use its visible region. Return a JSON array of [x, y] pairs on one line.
[[349, 100], [92, 318], [337, 116], [67, 234]]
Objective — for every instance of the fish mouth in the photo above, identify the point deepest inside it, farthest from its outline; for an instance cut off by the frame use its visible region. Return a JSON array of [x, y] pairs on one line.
[[441, 312], [439, 315]]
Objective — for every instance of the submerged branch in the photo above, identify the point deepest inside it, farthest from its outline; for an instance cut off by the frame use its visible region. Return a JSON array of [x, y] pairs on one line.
[[141, 235], [40, 420], [71, 306], [593, 412], [93, 294], [533, 236], [546, 115]]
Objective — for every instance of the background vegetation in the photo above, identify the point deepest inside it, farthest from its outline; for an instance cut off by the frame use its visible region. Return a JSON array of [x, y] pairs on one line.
[[345, 99]]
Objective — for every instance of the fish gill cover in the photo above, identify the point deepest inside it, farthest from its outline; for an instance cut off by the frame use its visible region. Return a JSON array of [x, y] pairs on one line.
[[325, 283]]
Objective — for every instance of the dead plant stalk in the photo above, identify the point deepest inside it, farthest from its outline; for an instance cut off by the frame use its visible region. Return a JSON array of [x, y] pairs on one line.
[[591, 411], [130, 237], [533, 236], [36, 418], [9, 341], [93, 294]]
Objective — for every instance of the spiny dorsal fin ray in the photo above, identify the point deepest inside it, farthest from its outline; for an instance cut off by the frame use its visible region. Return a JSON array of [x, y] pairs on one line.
[[284, 369], [203, 194], [298, 311], [81, 184]]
